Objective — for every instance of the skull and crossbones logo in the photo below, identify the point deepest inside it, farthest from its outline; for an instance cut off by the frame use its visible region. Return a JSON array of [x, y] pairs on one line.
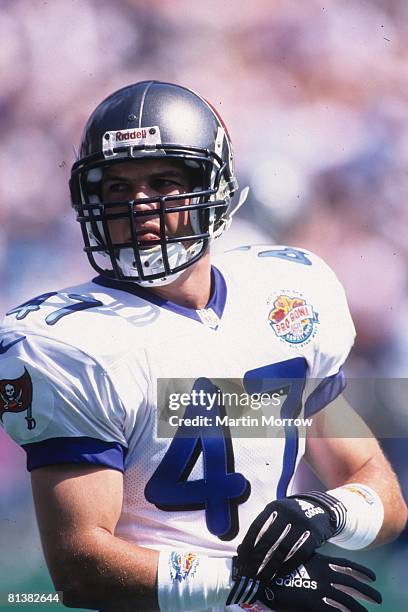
[[11, 399]]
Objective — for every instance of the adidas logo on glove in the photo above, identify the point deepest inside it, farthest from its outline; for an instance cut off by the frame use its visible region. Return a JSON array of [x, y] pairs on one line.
[[298, 578], [309, 509]]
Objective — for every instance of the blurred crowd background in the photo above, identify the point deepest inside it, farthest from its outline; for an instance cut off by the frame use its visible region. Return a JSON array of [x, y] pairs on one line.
[[315, 97]]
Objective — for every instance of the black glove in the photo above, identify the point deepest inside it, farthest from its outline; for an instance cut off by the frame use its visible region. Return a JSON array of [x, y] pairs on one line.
[[287, 533], [316, 586]]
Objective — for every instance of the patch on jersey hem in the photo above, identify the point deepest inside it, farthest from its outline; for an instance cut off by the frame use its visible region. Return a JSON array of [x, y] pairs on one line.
[[292, 318], [182, 565]]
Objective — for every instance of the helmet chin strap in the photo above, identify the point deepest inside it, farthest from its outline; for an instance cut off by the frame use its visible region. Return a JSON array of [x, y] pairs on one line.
[[152, 262]]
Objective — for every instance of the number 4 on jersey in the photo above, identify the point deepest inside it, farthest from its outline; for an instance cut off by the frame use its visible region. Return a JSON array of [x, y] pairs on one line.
[[220, 490]]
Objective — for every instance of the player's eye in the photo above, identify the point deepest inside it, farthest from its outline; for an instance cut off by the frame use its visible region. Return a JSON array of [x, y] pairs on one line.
[[163, 184], [117, 187]]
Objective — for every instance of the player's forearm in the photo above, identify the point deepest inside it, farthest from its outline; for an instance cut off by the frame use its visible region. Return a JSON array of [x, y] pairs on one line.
[[357, 460], [111, 575], [100, 571], [378, 474]]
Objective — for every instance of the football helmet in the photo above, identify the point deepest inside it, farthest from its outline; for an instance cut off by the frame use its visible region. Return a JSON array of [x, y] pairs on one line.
[[145, 120]]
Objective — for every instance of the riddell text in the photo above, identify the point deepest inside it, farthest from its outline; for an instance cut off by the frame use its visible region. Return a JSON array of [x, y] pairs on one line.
[[131, 135]]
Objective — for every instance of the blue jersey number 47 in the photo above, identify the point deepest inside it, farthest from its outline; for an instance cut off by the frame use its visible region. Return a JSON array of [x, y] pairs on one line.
[[221, 489]]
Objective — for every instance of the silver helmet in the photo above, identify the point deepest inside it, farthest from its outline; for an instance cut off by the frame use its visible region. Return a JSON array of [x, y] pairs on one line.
[[156, 120]]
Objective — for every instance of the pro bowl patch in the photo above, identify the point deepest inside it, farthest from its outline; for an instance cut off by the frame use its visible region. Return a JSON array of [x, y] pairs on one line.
[[293, 320], [182, 565]]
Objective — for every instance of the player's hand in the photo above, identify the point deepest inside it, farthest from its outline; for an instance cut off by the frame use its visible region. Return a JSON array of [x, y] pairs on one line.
[[321, 584], [286, 533]]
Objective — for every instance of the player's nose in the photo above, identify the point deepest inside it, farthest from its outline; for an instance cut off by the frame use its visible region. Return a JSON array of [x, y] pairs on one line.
[[144, 192]]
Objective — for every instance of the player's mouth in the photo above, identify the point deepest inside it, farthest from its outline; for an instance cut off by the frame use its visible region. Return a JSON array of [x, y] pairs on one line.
[[148, 231]]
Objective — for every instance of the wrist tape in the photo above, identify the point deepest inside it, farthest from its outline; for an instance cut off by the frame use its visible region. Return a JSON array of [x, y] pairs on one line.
[[364, 516]]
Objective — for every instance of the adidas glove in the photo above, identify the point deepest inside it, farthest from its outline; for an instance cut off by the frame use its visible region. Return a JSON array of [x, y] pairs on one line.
[[321, 584], [287, 532]]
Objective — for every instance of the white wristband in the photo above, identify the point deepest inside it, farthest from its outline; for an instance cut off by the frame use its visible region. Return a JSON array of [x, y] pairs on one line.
[[187, 581], [365, 515]]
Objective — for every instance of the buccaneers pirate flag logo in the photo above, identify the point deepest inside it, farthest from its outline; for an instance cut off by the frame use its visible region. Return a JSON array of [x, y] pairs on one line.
[[16, 396]]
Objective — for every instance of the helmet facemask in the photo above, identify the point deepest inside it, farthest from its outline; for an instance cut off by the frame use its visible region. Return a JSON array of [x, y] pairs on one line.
[[160, 261]]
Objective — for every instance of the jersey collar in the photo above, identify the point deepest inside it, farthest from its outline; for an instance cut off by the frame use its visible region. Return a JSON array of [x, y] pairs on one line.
[[215, 304]]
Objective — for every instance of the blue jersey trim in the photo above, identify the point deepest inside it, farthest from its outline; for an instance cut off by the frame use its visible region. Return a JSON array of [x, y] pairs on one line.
[[326, 391], [55, 451], [218, 296], [217, 299]]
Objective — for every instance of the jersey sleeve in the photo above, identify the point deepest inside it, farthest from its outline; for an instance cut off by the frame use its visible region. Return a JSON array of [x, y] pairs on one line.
[[60, 405], [337, 331], [334, 340]]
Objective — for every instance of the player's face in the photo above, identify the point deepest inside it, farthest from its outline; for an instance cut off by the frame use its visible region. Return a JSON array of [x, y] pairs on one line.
[[146, 179]]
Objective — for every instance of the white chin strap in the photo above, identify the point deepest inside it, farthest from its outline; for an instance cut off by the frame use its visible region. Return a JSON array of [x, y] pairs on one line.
[[152, 262]]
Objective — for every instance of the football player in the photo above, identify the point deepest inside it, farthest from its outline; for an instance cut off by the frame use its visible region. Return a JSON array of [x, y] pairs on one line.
[[147, 503]]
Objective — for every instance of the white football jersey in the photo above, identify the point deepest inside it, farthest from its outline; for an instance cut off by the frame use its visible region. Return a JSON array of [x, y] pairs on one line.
[[104, 373]]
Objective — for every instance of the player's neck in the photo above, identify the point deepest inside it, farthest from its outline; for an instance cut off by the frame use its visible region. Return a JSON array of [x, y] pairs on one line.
[[192, 289]]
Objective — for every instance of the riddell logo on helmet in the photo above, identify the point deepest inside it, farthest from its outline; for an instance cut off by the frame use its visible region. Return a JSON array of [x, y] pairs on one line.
[[131, 135]]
